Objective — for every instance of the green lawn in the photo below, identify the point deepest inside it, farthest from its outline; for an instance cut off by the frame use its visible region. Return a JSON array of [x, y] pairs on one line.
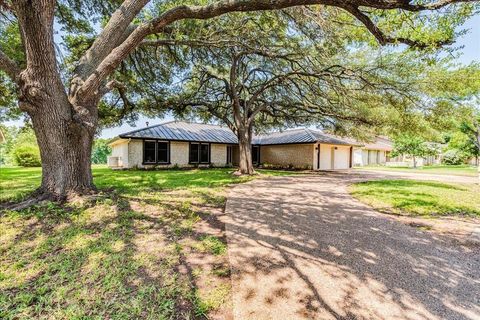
[[150, 246], [424, 198], [460, 170]]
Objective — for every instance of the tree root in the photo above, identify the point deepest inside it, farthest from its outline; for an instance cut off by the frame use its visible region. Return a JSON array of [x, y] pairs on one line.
[[238, 173], [41, 197], [25, 204]]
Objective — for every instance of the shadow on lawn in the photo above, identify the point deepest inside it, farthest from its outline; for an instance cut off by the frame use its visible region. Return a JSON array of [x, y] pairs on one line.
[[313, 252], [119, 257]]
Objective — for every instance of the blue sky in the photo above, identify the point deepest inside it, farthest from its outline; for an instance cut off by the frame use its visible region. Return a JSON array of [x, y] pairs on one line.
[[470, 52]]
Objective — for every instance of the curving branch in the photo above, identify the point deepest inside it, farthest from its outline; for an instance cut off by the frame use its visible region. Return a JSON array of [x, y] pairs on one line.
[[380, 36], [135, 38], [116, 31]]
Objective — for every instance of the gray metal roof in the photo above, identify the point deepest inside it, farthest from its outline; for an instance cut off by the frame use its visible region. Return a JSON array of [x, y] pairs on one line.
[[185, 131], [302, 135]]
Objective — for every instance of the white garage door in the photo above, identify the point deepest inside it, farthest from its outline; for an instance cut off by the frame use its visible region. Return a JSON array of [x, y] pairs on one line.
[[342, 158]]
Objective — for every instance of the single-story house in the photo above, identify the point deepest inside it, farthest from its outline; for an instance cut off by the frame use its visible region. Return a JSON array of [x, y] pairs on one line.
[[186, 144], [373, 153]]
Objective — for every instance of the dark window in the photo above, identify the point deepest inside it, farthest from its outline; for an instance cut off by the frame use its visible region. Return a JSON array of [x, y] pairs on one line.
[[149, 152], [204, 153], [194, 152], [255, 154], [156, 152], [229, 154], [199, 153], [162, 152]]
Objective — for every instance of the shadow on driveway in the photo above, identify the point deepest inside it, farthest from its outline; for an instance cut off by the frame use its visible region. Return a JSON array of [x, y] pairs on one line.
[[301, 248]]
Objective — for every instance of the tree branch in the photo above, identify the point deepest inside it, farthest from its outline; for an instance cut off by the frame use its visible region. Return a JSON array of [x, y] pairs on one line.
[[108, 65], [117, 29], [9, 66], [380, 36]]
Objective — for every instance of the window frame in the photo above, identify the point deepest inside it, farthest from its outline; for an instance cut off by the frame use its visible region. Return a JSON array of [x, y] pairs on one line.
[[156, 152], [144, 152], [199, 162], [168, 152]]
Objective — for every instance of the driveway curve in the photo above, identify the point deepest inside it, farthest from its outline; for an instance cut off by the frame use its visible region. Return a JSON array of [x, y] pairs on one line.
[[301, 248]]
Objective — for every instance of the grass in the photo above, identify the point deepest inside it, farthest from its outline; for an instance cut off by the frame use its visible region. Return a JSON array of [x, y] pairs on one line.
[[17, 182], [419, 198], [138, 251], [460, 170]]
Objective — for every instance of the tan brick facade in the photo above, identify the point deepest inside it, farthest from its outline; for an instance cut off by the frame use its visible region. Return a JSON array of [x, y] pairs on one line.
[[179, 154], [302, 156], [296, 155]]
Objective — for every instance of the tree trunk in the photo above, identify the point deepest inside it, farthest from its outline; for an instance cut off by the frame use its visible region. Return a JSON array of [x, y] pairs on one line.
[[65, 149], [64, 124], [245, 148], [414, 162]]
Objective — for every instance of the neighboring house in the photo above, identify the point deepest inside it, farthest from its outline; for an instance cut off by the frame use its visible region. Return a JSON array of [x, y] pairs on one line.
[[192, 144], [374, 153]]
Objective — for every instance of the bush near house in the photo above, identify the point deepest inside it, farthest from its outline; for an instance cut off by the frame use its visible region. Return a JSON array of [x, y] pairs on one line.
[[27, 156], [454, 157]]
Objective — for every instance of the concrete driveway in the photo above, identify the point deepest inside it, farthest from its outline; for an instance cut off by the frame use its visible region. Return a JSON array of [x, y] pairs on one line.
[[301, 248]]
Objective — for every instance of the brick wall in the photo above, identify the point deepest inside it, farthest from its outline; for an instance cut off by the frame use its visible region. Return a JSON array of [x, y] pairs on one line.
[[298, 155]]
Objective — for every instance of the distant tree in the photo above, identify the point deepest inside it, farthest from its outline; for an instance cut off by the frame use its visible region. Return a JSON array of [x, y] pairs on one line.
[[412, 146], [9, 133], [100, 151], [472, 130], [461, 144]]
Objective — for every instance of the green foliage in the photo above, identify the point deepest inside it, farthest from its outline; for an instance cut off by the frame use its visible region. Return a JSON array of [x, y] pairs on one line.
[[454, 157], [410, 145], [9, 134], [26, 156], [100, 151], [20, 146]]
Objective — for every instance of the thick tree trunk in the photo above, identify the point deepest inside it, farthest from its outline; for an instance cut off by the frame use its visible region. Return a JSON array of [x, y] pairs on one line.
[[65, 150], [245, 148], [64, 123]]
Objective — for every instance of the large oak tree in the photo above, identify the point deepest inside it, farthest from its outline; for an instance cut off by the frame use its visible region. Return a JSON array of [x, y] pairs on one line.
[[280, 69], [62, 98]]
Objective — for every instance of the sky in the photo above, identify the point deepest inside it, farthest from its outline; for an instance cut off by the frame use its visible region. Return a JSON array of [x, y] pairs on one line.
[[470, 52]]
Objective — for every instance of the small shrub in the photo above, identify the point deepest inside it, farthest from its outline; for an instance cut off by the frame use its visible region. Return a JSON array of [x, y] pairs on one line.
[[454, 157], [27, 156]]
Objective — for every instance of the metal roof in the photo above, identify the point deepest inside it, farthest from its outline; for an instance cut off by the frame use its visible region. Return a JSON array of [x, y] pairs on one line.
[[185, 131], [302, 135]]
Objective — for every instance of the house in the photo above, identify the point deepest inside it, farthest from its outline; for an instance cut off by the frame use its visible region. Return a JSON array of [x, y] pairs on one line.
[[186, 144], [373, 153]]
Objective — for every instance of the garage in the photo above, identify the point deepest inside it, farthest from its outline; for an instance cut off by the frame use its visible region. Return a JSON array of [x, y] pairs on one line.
[[334, 157]]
